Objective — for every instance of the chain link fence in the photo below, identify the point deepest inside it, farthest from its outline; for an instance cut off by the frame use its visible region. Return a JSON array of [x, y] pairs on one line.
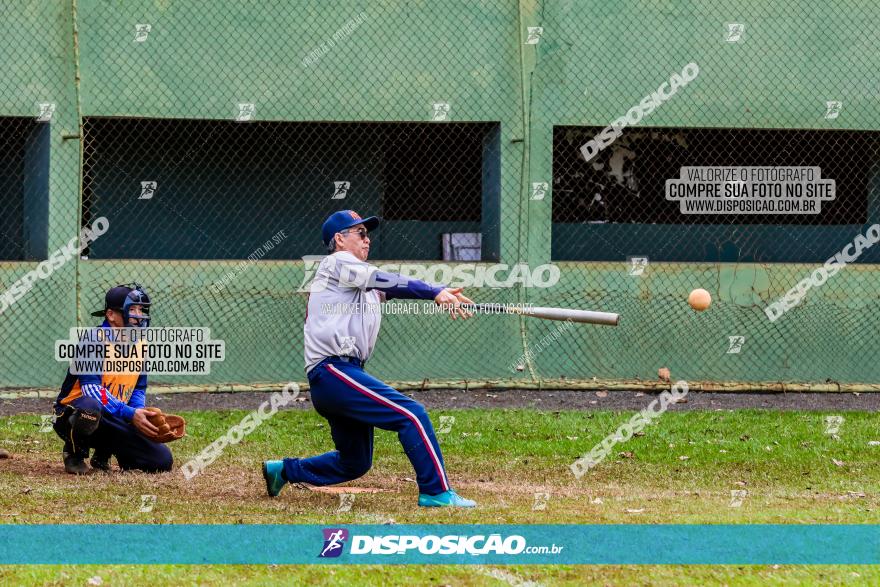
[[498, 141], [708, 87], [39, 160]]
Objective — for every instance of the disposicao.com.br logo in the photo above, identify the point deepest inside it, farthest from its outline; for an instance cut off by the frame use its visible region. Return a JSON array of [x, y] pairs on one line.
[[479, 544], [334, 540]]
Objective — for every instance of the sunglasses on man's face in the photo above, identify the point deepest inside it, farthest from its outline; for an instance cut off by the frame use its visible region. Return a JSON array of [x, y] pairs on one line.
[[361, 232]]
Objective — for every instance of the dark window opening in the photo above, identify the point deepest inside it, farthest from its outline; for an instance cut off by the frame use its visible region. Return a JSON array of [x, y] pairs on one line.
[[614, 206], [625, 182], [24, 189], [198, 189]]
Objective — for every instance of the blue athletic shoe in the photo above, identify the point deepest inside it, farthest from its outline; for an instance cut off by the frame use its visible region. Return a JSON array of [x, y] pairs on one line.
[[272, 474], [447, 498]]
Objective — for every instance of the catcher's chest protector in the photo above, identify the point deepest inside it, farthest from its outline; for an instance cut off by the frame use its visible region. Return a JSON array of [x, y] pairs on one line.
[[119, 385]]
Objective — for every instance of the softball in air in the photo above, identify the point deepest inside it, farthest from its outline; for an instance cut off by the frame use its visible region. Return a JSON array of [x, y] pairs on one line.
[[699, 300]]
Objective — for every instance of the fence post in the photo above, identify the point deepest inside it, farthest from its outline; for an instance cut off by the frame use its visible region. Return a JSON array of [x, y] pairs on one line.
[[528, 60]]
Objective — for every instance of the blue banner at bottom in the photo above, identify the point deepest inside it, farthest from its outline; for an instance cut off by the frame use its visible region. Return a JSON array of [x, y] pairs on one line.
[[440, 544]]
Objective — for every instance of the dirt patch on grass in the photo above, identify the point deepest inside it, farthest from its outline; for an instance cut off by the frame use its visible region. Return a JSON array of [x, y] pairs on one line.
[[544, 400], [336, 490]]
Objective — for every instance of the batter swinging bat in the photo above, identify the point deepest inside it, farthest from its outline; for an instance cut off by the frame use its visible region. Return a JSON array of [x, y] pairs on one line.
[[585, 316]]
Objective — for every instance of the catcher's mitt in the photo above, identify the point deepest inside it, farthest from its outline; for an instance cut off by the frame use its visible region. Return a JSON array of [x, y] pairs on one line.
[[170, 427]]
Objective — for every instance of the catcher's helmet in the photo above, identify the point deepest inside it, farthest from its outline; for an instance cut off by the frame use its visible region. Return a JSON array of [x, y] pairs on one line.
[[122, 297]]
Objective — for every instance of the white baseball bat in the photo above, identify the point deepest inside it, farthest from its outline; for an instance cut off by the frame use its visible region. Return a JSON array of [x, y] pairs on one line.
[[585, 316]]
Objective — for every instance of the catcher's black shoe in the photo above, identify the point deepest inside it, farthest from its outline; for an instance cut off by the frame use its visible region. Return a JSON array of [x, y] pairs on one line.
[[101, 460], [75, 465]]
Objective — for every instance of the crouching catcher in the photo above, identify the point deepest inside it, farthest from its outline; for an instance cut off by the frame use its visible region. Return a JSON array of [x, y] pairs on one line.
[[106, 412]]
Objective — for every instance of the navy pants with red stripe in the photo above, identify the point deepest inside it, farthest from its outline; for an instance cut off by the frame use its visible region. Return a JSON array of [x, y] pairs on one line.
[[354, 403]]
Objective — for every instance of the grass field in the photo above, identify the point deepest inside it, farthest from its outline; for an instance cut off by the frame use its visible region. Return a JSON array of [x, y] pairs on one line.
[[682, 470]]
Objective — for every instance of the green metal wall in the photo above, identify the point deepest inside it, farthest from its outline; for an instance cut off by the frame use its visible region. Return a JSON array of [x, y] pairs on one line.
[[203, 58]]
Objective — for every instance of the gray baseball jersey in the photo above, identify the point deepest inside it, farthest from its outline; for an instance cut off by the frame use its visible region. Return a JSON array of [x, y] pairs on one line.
[[343, 317]]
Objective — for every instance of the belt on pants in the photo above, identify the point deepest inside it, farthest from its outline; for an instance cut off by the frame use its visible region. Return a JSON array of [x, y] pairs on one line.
[[346, 359]]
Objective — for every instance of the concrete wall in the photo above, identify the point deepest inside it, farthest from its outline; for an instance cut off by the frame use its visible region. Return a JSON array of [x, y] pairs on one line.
[[595, 58]]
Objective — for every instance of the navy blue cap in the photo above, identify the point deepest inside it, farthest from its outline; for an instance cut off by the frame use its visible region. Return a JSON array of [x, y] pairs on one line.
[[114, 300], [343, 219]]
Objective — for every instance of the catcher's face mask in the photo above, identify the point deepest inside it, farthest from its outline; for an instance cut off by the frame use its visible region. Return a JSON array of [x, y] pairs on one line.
[[131, 316]]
